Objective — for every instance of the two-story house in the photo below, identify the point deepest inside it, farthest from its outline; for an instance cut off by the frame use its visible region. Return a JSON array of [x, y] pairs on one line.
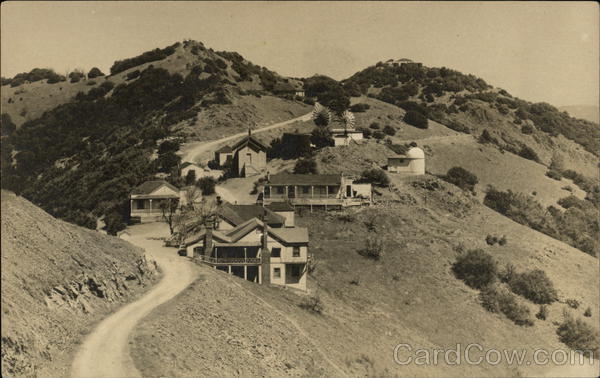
[[329, 191], [248, 157]]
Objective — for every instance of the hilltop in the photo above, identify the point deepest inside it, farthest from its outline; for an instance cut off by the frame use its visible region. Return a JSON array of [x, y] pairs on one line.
[[57, 281], [588, 112], [369, 306]]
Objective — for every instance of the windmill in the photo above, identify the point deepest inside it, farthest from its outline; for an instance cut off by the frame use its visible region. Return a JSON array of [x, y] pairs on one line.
[[349, 121], [321, 115]]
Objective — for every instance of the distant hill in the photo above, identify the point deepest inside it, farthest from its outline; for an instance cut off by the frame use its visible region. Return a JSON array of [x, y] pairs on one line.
[[588, 112], [57, 280]]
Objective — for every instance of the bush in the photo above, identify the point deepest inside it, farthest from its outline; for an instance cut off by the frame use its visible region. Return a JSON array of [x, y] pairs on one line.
[[502, 240], [133, 74], [461, 178], [528, 153], [148, 56], [375, 176], [76, 76], [389, 130], [114, 223], [588, 312], [555, 175], [416, 119], [305, 166], [573, 303], [190, 177], [373, 247], [542, 313], [374, 126], [533, 285], [378, 135], [486, 137], [7, 125], [491, 240], [90, 82], [366, 132], [359, 108], [476, 267], [207, 185], [94, 72], [579, 335], [527, 129], [313, 304], [499, 300]]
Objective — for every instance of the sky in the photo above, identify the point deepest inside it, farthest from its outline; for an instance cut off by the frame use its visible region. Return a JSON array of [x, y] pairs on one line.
[[538, 51]]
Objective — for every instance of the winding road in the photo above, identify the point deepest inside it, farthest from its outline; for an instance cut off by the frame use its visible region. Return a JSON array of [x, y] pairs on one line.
[[105, 352], [192, 151]]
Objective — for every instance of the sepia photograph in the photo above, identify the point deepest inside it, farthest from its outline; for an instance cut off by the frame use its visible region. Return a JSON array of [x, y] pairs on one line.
[[300, 189]]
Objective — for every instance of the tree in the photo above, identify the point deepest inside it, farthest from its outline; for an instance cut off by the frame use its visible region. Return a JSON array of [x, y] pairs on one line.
[[169, 211], [375, 176], [7, 125], [76, 76], [389, 130], [477, 268], [190, 177], [114, 223], [416, 119], [305, 166], [321, 137], [95, 72], [207, 185], [461, 178]]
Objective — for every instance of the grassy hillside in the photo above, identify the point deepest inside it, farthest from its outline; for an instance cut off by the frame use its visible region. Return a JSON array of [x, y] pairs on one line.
[[410, 295], [80, 160], [57, 280]]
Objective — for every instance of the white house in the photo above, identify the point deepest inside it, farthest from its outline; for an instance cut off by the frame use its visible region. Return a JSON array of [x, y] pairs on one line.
[[146, 200], [412, 163], [342, 137]]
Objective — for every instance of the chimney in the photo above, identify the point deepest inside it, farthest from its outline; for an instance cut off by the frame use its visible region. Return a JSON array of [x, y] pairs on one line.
[[249, 131], [208, 239], [219, 201]]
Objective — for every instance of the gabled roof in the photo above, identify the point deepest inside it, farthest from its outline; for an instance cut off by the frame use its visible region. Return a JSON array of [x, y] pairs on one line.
[[280, 206], [238, 214], [224, 149], [304, 179], [187, 164], [250, 141], [150, 186], [291, 235]]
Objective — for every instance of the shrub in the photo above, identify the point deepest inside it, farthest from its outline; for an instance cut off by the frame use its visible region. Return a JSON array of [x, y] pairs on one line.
[[588, 312], [359, 108], [542, 313], [389, 130], [527, 129], [133, 74], [355, 281], [148, 56], [461, 178], [579, 335], [416, 119], [486, 137], [190, 177], [373, 247], [94, 72], [305, 166], [114, 223], [313, 304], [533, 285], [491, 240], [375, 176], [502, 240], [374, 125], [555, 175], [7, 125], [366, 132], [476, 267], [76, 76], [528, 153], [573, 303], [207, 185], [499, 300], [378, 135]]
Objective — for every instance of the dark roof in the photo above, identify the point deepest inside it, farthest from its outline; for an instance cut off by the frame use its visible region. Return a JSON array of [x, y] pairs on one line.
[[187, 164], [150, 186], [238, 214], [280, 206], [305, 179], [224, 149], [250, 140]]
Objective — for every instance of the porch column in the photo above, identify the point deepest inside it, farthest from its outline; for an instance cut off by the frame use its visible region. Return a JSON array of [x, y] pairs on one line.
[[229, 268], [245, 272], [245, 256], [286, 192], [312, 191], [130, 205], [259, 274], [150, 204]]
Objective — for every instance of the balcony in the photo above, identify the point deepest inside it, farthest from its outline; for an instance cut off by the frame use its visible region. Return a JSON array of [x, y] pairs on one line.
[[146, 211], [230, 260]]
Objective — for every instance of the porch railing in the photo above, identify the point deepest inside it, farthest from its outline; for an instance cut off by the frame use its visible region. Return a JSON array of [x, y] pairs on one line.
[[230, 260]]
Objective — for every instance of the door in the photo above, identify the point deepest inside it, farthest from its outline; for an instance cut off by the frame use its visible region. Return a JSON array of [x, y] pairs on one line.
[[291, 191]]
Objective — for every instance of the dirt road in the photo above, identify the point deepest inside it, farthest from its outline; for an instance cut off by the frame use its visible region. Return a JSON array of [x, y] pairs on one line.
[[192, 151], [105, 352]]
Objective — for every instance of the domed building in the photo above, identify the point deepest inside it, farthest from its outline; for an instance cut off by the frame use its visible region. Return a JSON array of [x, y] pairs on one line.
[[412, 163]]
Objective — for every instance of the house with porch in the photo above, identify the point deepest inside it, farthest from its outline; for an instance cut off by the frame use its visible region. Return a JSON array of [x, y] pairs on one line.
[[147, 200], [255, 252], [342, 137], [248, 156], [328, 191]]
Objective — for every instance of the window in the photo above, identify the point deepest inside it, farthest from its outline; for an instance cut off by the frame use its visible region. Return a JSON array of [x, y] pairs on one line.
[[277, 272], [140, 204], [249, 157], [280, 190], [305, 189], [296, 251], [276, 252]]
